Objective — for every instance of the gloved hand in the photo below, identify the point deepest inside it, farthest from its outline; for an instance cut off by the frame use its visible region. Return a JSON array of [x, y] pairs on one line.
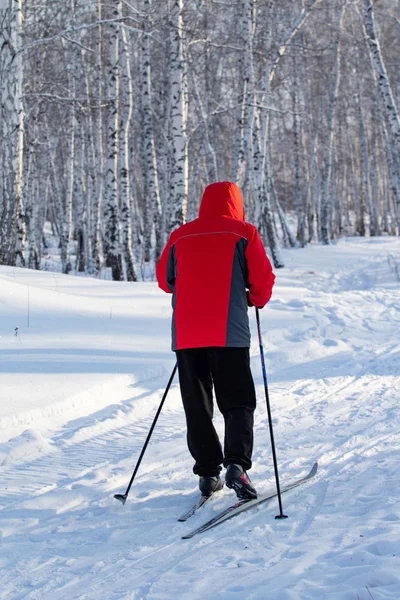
[[249, 302]]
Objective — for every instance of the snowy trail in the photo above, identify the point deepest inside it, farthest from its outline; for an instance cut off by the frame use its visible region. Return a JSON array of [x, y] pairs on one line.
[[333, 360]]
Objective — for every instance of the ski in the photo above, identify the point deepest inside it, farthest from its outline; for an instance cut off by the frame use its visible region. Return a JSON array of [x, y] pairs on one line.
[[243, 505], [198, 504], [195, 507]]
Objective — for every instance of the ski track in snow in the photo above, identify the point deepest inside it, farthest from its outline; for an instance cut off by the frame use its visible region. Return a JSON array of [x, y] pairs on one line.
[[331, 335]]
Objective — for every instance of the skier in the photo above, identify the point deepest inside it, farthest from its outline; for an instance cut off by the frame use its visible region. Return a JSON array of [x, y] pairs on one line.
[[207, 265]]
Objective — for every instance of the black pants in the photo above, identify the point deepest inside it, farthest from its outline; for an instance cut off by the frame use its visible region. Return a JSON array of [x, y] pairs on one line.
[[228, 370]]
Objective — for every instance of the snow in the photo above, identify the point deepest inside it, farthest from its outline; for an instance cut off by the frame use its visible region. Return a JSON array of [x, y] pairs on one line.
[[79, 388]]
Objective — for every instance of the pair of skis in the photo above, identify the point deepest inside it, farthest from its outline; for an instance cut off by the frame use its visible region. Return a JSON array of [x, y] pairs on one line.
[[238, 507]]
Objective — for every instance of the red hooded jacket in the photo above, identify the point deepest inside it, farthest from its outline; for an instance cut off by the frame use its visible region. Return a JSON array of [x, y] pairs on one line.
[[207, 266]]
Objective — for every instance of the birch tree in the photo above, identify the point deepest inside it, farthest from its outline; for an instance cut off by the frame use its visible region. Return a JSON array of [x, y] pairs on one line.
[[388, 100], [178, 125], [326, 203], [96, 149], [12, 229], [112, 238], [151, 192], [125, 158], [70, 169], [301, 221], [245, 165]]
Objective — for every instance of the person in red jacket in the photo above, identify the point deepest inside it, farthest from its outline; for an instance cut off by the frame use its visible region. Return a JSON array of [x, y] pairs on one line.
[[215, 267]]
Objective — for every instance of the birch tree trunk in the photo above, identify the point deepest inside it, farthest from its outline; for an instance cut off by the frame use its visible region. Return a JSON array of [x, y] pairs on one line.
[[91, 178], [58, 204], [151, 192], [80, 198], [179, 166], [80, 179], [66, 225], [12, 229], [19, 149], [7, 204], [32, 204], [365, 159], [112, 238], [240, 102], [326, 200], [388, 101], [301, 220], [377, 195], [125, 186], [392, 171], [359, 204], [97, 152], [245, 154]]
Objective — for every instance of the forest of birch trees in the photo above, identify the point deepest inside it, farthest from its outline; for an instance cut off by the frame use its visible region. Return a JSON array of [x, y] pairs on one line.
[[115, 115]]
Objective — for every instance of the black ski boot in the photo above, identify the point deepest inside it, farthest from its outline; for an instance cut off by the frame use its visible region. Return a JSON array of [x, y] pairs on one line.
[[237, 479], [209, 485]]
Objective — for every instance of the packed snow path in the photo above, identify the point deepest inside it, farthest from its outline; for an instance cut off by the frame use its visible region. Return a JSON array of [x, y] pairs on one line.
[[79, 388]]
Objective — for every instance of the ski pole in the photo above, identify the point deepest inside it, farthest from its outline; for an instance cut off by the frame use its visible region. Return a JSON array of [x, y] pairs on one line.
[[122, 497], [271, 431]]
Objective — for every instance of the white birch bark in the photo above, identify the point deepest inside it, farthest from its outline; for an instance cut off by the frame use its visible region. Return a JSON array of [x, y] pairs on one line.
[[80, 183], [245, 155], [70, 168], [311, 152], [13, 230], [19, 150], [125, 186], [162, 147], [388, 100], [35, 178], [149, 161], [380, 181], [80, 195], [32, 204], [392, 170], [239, 116], [58, 202], [326, 200], [112, 238], [6, 123], [98, 153], [314, 187], [67, 222], [365, 159], [359, 204], [298, 201], [377, 199], [91, 172], [179, 166]]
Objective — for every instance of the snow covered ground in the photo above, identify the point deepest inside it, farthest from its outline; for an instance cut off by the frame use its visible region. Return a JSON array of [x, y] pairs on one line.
[[78, 391]]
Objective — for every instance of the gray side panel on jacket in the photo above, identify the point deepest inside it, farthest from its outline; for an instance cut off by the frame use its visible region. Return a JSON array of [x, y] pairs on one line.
[[171, 277], [238, 330]]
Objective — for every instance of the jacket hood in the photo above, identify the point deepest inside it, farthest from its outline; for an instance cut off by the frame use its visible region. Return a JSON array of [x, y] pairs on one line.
[[222, 199]]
